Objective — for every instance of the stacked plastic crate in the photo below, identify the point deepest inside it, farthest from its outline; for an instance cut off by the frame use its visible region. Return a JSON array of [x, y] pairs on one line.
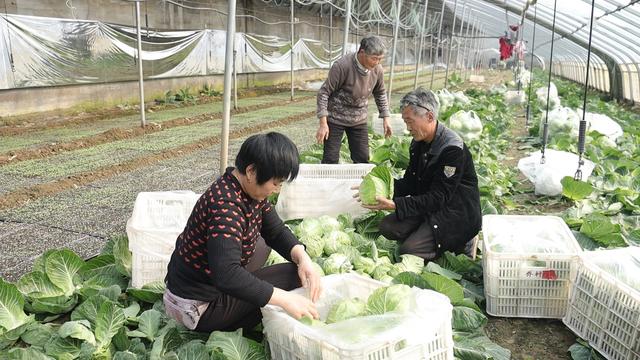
[[157, 220], [605, 303], [529, 265]]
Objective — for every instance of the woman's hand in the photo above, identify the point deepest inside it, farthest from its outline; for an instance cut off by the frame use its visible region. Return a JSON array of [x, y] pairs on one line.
[[308, 273], [295, 305], [310, 278]]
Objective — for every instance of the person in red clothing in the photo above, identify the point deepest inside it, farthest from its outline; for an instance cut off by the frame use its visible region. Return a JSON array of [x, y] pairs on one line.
[[216, 279]]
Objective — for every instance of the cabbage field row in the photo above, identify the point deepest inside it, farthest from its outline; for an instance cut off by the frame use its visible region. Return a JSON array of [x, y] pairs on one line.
[[70, 308]]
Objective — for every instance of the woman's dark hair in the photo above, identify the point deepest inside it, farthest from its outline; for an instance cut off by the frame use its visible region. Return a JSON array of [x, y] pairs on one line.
[[273, 156]]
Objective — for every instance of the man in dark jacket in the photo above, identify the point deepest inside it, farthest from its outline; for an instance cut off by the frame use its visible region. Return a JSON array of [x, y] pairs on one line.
[[437, 202]]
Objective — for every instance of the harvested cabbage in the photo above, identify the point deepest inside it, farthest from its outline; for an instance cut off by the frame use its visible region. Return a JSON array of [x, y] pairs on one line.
[[336, 264], [346, 309], [378, 182], [391, 298], [467, 124]]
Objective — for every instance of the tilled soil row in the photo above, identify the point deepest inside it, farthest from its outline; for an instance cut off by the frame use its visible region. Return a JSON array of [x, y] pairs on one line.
[[127, 133], [56, 119], [24, 195]]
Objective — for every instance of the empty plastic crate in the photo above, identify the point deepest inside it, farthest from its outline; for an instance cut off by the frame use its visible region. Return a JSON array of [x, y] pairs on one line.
[[424, 333], [398, 126], [322, 189], [605, 302], [529, 264], [157, 220]]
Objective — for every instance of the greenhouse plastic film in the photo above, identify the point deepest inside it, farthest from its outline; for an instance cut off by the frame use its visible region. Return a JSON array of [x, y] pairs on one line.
[[605, 302], [529, 264], [421, 332], [547, 177]]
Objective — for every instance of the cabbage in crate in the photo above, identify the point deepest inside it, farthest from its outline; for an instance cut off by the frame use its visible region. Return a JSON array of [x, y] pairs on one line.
[[377, 182]]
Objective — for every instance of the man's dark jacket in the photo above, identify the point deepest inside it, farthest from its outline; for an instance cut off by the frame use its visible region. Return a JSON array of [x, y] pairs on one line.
[[441, 185]]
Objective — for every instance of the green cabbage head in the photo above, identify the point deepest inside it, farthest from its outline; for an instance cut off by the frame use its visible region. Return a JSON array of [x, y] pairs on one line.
[[346, 309], [377, 182]]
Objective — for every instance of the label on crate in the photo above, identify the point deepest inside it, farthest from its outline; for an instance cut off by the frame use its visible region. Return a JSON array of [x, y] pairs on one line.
[[538, 273]]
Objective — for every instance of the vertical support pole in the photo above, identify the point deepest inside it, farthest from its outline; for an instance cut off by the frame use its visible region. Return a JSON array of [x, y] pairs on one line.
[[292, 43], [235, 82], [404, 49], [396, 30], [451, 30], [422, 31], [347, 20], [228, 63], [143, 120], [330, 36], [460, 37], [533, 44], [467, 44], [433, 68]]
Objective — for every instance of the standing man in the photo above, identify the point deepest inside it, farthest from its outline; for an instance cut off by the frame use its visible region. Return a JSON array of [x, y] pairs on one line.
[[437, 202], [343, 101]]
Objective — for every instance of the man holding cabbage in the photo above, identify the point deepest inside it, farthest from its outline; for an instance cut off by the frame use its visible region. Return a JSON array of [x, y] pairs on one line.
[[343, 101], [437, 202]]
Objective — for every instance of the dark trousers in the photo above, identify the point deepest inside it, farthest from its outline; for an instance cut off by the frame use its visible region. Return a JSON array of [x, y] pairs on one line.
[[228, 313], [414, 234], [358, 139]]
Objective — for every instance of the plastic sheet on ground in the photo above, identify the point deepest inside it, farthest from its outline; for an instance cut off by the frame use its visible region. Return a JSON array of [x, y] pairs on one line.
[[603, 124], [547, 177]]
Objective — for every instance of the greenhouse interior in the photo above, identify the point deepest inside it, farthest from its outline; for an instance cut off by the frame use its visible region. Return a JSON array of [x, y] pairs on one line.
[[320, 179]]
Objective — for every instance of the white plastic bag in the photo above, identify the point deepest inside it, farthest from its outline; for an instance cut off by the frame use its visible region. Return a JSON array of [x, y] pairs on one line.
[[498, 89], [554, 99], [513, 97], [558, 164], [562, 121], [467, 124]]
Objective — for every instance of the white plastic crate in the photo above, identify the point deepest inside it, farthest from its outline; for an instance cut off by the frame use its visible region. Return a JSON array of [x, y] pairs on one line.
[[322, 189], [157, 220], [398, 126], [422, 334], [604, 308], [529, 264], [476, 78]]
